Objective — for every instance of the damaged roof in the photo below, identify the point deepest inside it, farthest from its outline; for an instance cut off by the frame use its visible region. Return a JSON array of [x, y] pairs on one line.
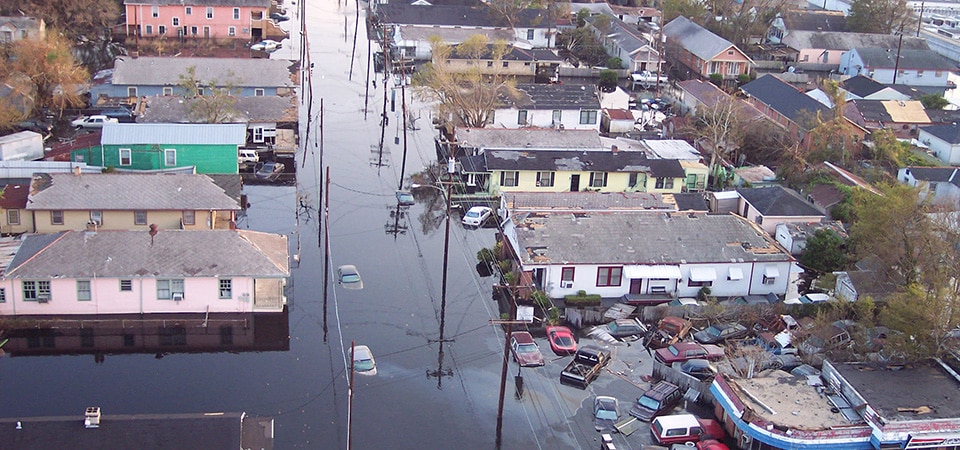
[[555, 96]]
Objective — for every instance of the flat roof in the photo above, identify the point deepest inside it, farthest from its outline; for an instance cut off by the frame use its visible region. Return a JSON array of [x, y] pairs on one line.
[[589, 201], [887, 390], [793, 402]]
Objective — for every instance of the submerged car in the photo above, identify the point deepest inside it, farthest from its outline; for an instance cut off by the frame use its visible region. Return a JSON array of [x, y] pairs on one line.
[[270, 171], [266, 45], [525, 349], [606, 412], [349, 277], [363, 362], [405, 198], [477, 215], [561, 340]]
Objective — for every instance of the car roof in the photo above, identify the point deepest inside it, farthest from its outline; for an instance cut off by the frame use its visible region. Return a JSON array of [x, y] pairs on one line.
[[362, 352], [522, 337], [678, 420], [661, 389], [695, 362], [348, 268], [625, 322]]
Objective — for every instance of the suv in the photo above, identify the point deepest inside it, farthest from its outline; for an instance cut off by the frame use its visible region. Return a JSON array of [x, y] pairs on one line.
[[662, 397], [682, 351], [682, 428]]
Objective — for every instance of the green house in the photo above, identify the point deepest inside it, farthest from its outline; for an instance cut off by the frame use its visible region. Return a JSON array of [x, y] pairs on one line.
[[209, 148]]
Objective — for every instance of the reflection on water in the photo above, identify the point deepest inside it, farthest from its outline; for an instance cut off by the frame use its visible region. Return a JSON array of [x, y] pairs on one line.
[[158, 334]]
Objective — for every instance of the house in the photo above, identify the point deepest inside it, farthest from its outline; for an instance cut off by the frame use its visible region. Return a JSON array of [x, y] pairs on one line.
[[940, 186], [613, 254], [823, 50], [568, 106], [271, 121], [617, 121], [703, 53], [920, 68], [902, 117], [860, 86], [13, 206], [675, 149], [793, 236], [700, 97], [150, 76], [754, 176], [824, 196], [768, 206], [208, 19], [794, 20], [145, 272], [878, 408], [514, 61], [796, 112], [414, 42], [15, 28], [854, 285], [67, 201], [944, 142], [208, 148], [624, 41]]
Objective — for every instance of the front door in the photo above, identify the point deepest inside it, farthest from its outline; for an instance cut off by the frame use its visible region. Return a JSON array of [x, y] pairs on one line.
[[206, 32], [636, 285], [575, 183]]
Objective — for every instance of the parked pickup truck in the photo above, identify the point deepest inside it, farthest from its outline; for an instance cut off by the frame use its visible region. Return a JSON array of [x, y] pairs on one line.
[[586, 365], [647, 78]]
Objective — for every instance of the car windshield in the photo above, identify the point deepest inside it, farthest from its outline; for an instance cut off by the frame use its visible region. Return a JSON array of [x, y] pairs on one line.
[[607, 411], [363, 365], [564, 341], [527, 348], [648, 403], [673, 350], [350, 278], [473, 214], [713, 331]]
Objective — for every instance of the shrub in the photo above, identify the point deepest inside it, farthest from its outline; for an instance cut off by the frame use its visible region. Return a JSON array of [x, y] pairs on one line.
[[582, 300], [486, 255], [716, 79], [614, 63], [608, 80], [743, 78]]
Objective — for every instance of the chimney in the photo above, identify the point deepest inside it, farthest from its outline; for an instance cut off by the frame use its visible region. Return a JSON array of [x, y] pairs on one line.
[[91, 227], [153, 232], [91, 418], [614, 149], [77, 170]]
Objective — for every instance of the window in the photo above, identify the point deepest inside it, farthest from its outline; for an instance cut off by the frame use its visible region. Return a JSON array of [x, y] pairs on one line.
[[86, 337], [232, 31], [608, 276], [13, 216], [188, 10], [3, 295], [83, 290], [169, 157], [139, 217], [176, 21], [529, 33], [556, 116], [209, 12], [226, 335], [125, 156], [129, 340], [155, 11], [126, 285], [167, 289], [193, 31], [489, 63], [189, 218], [168, 91], [200, 91], [588, 117], [245, 31], [664, 183], [634, 178], [509, 178], [173, 336], [33, 290], [733, 68], [56, 217], [161, 29], [566, 274], [131, 91], [769, 280], [226, 288], [545, 179], [96, 217], [236, 13], [149, 30], [522, 117], [692, 283], [506, 64], [258, 92], [598, 179]]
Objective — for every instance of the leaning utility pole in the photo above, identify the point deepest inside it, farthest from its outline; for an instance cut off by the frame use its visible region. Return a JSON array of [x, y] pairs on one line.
[[350, 401]]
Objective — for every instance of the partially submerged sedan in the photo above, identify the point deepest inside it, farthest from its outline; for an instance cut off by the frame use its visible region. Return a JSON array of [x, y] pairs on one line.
[[561, 340], [349, 277], [363, 362]]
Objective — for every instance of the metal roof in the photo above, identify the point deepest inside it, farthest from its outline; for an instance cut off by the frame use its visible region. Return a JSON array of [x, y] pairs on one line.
[[166, 71], [555, 96], [129, 191], [563, 160], [249, 109], [174, 133], [588, 201], [136, 254]]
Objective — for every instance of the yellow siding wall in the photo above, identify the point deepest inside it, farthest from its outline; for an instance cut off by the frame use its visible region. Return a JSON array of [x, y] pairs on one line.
[[121, 220], [25, 225], [616, 182], [513, 67]]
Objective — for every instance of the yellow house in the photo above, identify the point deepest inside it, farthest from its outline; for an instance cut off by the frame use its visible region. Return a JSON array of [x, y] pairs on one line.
[[515, 61], [130, 201], [13, 206], [573, 171]]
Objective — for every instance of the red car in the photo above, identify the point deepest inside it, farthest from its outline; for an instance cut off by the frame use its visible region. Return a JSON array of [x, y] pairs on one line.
[[683, 351], [682, 428], [712, 444], [525, 349], [561, 340]]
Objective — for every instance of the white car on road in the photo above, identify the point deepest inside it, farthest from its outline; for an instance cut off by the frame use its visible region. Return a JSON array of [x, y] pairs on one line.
[[93, 121], [266, 45], [476, 216]]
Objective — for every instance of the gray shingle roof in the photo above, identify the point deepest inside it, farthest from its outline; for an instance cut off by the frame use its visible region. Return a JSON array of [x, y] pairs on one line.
[[936, 174], [627, 37], [695, 39], [530, 138], [172, 253], [948, 133], [624, 238], [786, 100], [598, 161], [778, 201], [457, 15], [861, 85], [175, 109], [814, 20], [556, 96], [129, 191], [801, 40], [910, 59], [174, 133], [587, 201], [166, 71]]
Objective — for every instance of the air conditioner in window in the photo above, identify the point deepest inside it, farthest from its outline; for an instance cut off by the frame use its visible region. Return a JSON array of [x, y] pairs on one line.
[[566, 284], [177, 296], [43, 298]]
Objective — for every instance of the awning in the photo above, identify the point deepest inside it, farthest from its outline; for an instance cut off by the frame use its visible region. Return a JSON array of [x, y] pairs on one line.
[[735, 274], [672, 272], [700, 274], [771, 272]]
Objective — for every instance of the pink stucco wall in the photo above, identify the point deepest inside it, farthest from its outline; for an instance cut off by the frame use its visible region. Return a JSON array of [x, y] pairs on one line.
[[219, 25]]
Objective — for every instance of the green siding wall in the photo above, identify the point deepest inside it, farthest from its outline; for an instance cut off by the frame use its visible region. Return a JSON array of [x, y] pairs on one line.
[[206, 158]]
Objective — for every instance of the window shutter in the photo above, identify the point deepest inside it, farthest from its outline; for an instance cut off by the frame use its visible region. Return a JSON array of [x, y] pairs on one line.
[[502, 174], [591, 179], [605, 179]]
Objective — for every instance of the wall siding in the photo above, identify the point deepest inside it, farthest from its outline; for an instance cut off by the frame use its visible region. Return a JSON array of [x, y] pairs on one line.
[[206, 158]]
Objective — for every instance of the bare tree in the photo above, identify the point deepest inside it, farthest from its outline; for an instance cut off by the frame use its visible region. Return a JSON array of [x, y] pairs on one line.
[[719, 126], [209, 101], [743, 19]]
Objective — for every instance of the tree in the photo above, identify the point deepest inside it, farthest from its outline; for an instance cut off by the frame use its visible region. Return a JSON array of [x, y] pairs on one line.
[[741, 19], [508, 11], [608, 81], [50, 66], [468, 95], [923, 319], [934, 101], [692, 9], [719, 127], [824, 252], [72, 18], [209, 101], [881, 16]]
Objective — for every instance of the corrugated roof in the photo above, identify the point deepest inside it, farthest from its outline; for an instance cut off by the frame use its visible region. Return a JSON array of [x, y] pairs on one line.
[[599, 161], [128, 191], [673, 149], [166, 71], [171, 253], [695, 39], [174, 133]]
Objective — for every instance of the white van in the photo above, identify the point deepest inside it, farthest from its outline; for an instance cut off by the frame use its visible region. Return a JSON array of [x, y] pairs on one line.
[[247, 157]]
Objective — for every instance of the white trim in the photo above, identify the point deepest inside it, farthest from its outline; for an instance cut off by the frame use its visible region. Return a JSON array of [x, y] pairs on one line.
[[700, 274], [672, 272]]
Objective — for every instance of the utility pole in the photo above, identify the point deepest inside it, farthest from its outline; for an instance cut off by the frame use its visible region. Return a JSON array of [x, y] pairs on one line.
[[506, 360], [403, 163], [350, 401], [920, 19], [326, 252], [896, 64], [440, 373]]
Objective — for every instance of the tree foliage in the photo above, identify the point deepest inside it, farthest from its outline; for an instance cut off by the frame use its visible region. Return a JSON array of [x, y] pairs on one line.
[[71, 17], [742, 19], [923, 319], [691, 9], [934, 101], [50, 66], [469, 95], [720, 127], [825, 252], [217, 102], [608, 81], [583, 44], [881, 16]]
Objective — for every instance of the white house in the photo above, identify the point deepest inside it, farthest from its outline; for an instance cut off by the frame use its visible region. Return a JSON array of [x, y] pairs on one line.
[[938, 185], [916, 67], [564, 106], [646, 254], [793, 236], [768, 206], [944, 142], [144, 272]]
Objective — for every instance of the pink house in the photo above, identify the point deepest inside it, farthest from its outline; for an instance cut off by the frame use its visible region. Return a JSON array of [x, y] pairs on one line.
[[243, 19], [142, 272]]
